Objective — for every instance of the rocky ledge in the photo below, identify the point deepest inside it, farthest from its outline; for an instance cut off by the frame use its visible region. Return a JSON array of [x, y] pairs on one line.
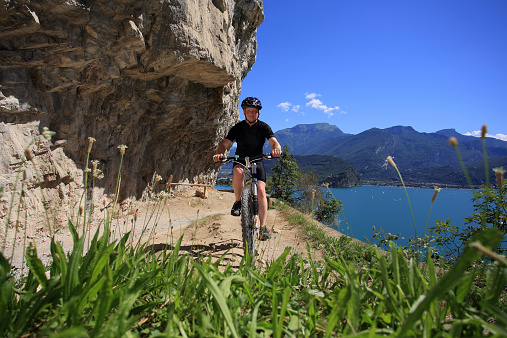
[[161, 77]]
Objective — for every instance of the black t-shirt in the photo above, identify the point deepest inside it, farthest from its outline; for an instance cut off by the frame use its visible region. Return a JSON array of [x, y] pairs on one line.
[[250, 139]]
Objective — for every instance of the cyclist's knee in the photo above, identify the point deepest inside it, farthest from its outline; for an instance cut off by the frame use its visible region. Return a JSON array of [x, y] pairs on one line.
[[237, 170], [261, 188]]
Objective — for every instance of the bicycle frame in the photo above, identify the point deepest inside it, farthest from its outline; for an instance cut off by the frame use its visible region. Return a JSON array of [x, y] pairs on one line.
[[250, 178]]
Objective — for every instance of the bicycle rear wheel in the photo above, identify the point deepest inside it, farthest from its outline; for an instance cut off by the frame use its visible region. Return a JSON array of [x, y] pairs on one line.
[[248, 220]]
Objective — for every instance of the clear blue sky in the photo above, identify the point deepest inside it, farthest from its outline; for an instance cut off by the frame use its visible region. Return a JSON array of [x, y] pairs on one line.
[[359, 64]]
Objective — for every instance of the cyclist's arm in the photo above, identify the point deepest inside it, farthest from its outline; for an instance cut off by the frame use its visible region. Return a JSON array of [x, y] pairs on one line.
[[277, 150], [222, 147]]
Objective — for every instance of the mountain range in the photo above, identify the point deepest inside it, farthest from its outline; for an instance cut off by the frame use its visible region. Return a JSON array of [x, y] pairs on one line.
[[423, 158], [328, 169]]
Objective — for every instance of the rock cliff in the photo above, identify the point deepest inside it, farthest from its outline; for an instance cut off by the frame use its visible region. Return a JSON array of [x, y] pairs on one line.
[[160, 76]]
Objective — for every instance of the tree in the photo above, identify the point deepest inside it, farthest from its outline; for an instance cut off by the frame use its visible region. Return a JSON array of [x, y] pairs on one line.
[[328, 209], [285, 176], [491, 209], [309, 192], [313, 199]]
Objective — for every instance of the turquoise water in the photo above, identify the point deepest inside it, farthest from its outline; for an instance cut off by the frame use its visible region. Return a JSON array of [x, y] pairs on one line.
[[388, 208]]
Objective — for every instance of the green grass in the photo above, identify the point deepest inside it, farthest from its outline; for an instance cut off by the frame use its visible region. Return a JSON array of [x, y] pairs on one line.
[[113, 290], [357, 252]]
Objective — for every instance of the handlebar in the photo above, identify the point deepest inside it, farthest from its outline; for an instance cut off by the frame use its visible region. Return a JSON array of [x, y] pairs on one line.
[[252, 159]]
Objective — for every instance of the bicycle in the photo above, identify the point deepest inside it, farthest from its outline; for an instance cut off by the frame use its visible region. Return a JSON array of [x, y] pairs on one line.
[[249, 200]]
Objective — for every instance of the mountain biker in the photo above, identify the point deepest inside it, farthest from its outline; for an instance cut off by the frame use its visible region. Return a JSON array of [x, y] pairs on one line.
[[250, 135]]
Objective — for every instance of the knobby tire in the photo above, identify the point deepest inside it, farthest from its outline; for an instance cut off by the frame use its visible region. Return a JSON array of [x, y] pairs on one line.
[[248, 221]]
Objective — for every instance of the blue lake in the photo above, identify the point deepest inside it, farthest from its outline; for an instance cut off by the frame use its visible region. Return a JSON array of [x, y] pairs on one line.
[[388, 208]]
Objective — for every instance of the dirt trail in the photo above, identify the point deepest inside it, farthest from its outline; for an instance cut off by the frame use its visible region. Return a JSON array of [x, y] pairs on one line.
[[220, 233], [206, 225]]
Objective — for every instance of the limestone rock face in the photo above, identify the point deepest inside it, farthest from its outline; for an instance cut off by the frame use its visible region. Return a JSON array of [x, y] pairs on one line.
[[162, 77]]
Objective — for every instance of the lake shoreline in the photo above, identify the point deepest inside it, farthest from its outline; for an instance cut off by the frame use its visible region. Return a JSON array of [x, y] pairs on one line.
[[397, 185], [418, 185]]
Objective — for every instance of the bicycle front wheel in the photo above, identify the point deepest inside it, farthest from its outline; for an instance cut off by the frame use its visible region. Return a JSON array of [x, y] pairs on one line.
[[248, 220]]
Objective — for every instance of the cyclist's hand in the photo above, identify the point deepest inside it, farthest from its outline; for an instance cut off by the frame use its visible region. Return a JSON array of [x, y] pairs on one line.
[[276, 152], [217, 157]]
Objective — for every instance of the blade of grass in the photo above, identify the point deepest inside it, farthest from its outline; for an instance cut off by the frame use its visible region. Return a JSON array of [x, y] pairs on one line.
[[253, 321], [225, 285], [104, 302], [312, 265], [496, 275], [59, 264], [353, 305], [219, 298], [36, 266], [75, 258], [276, 267], [285, 301], [6, 295]]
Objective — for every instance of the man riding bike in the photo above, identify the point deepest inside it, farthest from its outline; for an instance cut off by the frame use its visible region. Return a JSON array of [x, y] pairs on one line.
[[250, 135]]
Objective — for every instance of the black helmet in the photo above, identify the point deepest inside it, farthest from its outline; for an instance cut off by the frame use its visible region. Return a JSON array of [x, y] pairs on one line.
[[251, 102]]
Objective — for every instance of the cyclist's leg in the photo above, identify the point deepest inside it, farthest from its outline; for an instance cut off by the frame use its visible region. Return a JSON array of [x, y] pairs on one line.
[[237, 181], [263, 202]]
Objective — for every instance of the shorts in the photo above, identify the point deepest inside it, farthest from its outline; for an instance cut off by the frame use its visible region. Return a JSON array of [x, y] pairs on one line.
[[261, 171]]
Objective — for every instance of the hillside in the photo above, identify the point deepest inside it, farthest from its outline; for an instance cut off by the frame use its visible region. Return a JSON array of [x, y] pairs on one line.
[[329, 169], [422, 157], [446, 175]]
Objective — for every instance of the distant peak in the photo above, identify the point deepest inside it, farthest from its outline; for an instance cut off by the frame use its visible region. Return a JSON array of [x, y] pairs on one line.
[[320, 127], [316, 125], [399, 129], [448, 132]]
